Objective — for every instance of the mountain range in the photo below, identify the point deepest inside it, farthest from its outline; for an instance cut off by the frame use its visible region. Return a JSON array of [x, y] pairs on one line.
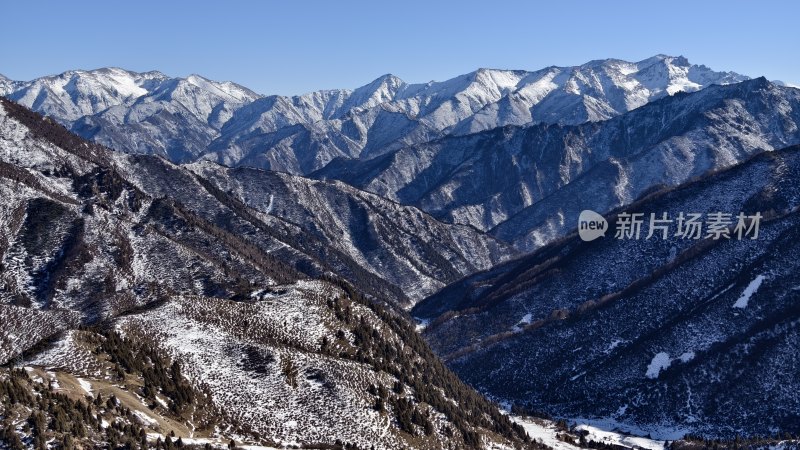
[[376, 137], [276, 248], [552, 172], [129, 278], [185, 119]]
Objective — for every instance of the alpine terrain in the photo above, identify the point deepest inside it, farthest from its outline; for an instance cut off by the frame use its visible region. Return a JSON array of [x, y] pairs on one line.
[[148, 302], [670, 336], [186, 262]]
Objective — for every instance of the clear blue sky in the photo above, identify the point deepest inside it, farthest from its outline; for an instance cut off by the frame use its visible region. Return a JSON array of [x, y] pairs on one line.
[[295, 46]]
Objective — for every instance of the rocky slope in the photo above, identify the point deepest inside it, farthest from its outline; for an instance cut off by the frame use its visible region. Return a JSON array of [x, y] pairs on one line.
[[665, 336], [318, 227], [552, 172], [401, 245], [164, 257]]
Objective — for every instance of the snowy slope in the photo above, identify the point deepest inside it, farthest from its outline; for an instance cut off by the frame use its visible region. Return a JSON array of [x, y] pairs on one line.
[[397, 252], [548, 169], [135, 112], [667, 336], [401, 245], [388, 114], [89, 236], [188, 118], [242, 368], [177, 119], [74, 94]]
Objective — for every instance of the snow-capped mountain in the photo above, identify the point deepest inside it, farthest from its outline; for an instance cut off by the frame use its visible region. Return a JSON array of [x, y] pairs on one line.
[[388, 114], [6, 84], [71, 95], [146, 113], [668, 336], [594, 91], [192, 118], [551, 172], [436, 145], [177, 119], [258, 327]]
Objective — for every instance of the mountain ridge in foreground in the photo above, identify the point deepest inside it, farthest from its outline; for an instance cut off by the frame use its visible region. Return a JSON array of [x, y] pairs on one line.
[[179, 317], [670, 336]]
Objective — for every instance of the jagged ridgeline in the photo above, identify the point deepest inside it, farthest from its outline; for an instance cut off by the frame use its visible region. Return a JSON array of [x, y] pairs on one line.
[[152, 303], [440, 145]]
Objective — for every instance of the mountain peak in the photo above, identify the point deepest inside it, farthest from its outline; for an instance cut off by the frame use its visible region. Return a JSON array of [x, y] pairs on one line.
[[381, 90], [387, 78], [664, 59], [680, 61], [388, 81], [761, 82], [195, 78]]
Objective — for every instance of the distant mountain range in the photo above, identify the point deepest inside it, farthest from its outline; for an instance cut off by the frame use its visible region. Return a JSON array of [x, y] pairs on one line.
[[185, 119]]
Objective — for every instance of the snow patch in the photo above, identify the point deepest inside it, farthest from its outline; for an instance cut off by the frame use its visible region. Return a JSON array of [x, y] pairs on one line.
[[578, 376], [751, 289], [660, 362], [656, 433], [526, 320], [614, 438], [614, 344], [146, 420], [544, 431], [86, 386]]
